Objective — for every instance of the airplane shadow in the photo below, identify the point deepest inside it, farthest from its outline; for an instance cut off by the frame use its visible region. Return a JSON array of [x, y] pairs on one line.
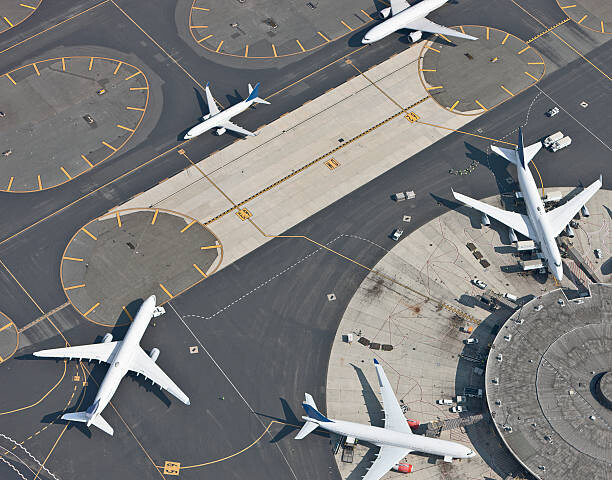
[[373, 406], [292, 423]]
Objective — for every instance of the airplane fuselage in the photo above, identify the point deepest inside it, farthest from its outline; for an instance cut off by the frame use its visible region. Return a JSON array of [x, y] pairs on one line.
[[382, 436], [120, 361], [215, 121], [397, 21]]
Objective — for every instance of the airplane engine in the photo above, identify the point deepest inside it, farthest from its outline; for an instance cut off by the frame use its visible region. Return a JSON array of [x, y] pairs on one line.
[[385, 12], [107, 338], [413, 423], [485, 220], [585, 211], [512, 236], [221, 131], [415, 36], [154, 353], [569, 231], [402, 467]]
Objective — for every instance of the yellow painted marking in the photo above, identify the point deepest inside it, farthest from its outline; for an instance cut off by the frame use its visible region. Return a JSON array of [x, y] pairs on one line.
[[428, 70], [524, 49], [128, 314], [8, 21], [117, 68], [208, 247], [91, 309], [73, 259], [88, 162], [36, 68], [201, 8], [75, 286], [411, 117], [89, 233], [66, 173], [165, 290], [206, 38], [133, 75], [199, 26], [10, 184], [579, 21], [246, 50], [90, 63], [527, 73], [11, 79], [506, 90], [434, 88], [199, 270], [454, 105], [535, 63], [298, 42], [118, 219], [139, 88], [186, 227], [5, 326], [126, 128], [602, 27], [569, 6], [27, 6], [461, 27], [135, 108], [488, 32], [274, 50], [481, 105], [172, 468], [244, 214], [155, 216], [323, 37], [505, 38], [332, 164], [431, 48], [63, 64], [366, 14], [109, 146], [343, 23], [39, 183], [219, 46]]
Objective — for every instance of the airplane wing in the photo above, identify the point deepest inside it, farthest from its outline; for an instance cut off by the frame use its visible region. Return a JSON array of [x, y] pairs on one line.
[[394, 417], [561, 216], [425, 25], [516, 221], [398, 6], [212, 105], [97, 351], [386, 460], [235, 128], [142, 363]]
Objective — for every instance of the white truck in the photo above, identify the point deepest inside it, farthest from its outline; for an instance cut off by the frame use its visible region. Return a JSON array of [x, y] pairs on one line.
[[548, 141], [560, 144]]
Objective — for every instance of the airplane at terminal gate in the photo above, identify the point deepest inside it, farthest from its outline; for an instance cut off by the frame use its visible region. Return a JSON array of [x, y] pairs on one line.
[[395, 440], [122, 357], [221, 119], [402, 15], [539, 225]]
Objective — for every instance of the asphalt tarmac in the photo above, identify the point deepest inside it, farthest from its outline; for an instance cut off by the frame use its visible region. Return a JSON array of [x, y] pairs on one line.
[[273, 344]]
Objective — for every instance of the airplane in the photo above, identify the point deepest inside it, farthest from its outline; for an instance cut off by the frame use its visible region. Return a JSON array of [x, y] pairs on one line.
[[403, 15], [396, 439], [122, 356], [221, 119], [539, 225]]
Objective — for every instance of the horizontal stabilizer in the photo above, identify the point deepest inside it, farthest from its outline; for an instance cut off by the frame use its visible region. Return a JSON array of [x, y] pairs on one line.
[[306, 429], [506, 153], [85, 417]]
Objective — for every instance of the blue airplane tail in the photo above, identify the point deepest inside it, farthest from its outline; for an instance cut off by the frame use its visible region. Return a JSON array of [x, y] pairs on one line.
[[310, 407], [254, 95]]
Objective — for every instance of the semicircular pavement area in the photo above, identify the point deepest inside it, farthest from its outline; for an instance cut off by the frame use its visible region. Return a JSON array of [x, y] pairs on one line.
[[269, 29], [116, 261], [16, 11], [472, 76], [63, 116], [595, 15]]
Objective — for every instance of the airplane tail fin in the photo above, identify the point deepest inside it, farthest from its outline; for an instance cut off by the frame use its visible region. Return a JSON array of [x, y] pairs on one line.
[[254, 95], [310, 407], [522, 155], [86, 417]]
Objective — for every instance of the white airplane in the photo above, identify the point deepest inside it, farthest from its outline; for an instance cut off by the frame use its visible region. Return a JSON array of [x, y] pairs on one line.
[[122, 357], [395, 440], [540, 226], [411, 17], [221, 119]]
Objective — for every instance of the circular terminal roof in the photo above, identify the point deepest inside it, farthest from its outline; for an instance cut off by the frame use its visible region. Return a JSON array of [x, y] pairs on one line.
[[549, 384]]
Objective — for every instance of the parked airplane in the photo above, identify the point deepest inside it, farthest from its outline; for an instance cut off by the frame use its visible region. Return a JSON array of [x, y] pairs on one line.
[[395, 440], [221, 119], [122, 357], [540, 226], [411, 17]]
